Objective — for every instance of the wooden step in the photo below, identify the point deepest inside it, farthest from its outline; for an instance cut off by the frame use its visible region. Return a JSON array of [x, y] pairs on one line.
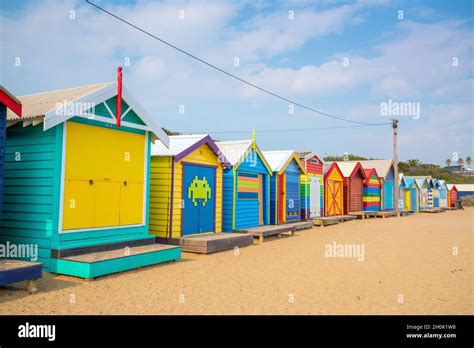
[[15, 271], [211, 243]]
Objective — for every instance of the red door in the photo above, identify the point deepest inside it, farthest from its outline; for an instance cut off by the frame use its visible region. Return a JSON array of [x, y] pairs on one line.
[[355, 203]]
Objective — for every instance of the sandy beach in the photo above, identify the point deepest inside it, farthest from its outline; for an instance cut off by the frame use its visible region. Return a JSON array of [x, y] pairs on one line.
[[420, 264]]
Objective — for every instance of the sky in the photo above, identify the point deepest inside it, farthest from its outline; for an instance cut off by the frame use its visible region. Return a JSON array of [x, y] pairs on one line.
[[353, 59]]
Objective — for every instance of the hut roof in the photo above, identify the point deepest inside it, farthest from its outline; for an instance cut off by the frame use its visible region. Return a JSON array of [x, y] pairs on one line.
[[348, 168], [43, 106], [278, 160], [182, 145], [381, 166], [465, 187], [236, 150]]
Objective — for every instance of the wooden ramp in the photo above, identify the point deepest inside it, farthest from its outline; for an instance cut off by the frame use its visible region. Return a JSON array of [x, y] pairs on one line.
[[262, 232], [386, 213], [211, 243], [343, 218], [363, 214], [15, 271], [406, 212], [91, 264], [431, 210], [325, 221]]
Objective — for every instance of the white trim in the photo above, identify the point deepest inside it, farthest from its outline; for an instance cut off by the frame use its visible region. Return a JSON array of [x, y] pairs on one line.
[[108, 109], [101, 228], [37, 121], [125, 113], [63, 175], [52, 119], [27, 122], [145, 182]]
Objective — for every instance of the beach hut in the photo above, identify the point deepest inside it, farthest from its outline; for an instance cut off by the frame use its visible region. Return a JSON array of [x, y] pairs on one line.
[[76, 181], [423, 186], [443, 194], [436, 193], [464, 190], [333, 190], [7, 101], [312, 185], [452, 195], [412, 194], [285, 196], [386, 171], [354, 178], [246, 199], [404, 193], [186, 187], [372, 187]]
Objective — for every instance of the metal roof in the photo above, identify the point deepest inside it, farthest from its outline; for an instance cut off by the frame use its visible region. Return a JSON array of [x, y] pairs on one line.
[[177, 144], [234, 151], [346, 167], [277, 159], [465, 187], [381, 166], [39, 104]]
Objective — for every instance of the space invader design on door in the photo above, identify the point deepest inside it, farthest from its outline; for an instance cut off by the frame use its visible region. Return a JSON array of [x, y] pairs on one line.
[[199, 189]]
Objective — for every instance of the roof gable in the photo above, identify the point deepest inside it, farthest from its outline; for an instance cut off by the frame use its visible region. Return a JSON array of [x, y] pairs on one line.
[[279, 160], [10, 101], [330, 167], [237, 152], [90, 102]]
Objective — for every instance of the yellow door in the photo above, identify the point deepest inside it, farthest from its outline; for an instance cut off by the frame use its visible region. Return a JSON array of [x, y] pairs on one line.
[[131, 203], [78, 202], [107, 158], [107, 204], [407, 200]]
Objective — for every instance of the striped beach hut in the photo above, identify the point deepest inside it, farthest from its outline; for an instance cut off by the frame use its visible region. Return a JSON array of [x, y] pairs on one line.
[[246, 198], [386, 171], [76, 180], [452, 194], [372, 187], [186, 187], [354, 178], [443, 194], [312, 185], [285, 195], [333, 190], [423, 186]]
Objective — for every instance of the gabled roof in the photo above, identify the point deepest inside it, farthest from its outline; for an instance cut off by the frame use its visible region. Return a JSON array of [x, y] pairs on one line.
[[381, 166], [402, 182], [10, 101], [465, 187], [442, 183], [279, 160], [451, 187], [236, 151], [419, 181], [306, 155], [410, 182], [182, 145], [330, 166], [44, 105], [350, 168]]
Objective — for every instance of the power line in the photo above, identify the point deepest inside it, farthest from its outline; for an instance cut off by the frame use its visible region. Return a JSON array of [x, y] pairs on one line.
[[286, 130], [230, 74]]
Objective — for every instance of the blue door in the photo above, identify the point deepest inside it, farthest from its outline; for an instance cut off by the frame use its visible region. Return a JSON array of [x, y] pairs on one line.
[[198, 199], [292, 197], [436, 201], [388, 194], [413, 203]]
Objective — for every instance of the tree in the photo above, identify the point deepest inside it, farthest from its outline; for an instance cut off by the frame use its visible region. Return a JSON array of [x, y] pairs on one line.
[[448, 162], [468, 161], [460, 162], [413, 162]]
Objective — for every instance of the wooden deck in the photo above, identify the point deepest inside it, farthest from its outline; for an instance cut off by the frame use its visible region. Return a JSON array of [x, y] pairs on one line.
[[431, 210], [118, 253], [406, 212], [15, 271], [343, 218], [386, 213], [325, 221], [262, 232], [211, 243], [363, 214]]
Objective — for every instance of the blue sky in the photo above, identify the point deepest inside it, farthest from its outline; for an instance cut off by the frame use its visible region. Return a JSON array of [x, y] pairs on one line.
[[407, 60]]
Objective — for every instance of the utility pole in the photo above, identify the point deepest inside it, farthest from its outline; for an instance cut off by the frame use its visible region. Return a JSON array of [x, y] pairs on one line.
[[395, 160]]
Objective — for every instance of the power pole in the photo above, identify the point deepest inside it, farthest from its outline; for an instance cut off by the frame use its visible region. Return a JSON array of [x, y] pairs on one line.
[[395, 160]]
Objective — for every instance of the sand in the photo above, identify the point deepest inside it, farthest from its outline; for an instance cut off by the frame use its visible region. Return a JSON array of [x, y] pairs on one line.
[[408, 268]]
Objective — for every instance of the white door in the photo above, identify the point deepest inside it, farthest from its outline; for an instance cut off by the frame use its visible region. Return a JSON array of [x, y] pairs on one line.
[[314, 194]]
